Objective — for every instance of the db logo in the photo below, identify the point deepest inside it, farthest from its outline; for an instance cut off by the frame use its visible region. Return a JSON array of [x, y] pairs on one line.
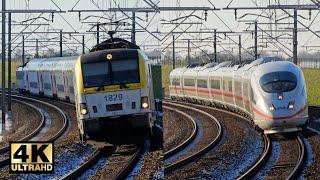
[[31, 157]]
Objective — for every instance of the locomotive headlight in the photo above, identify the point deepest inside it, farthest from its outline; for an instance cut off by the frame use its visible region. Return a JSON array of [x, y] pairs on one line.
[[271, 107], [144, 102], [290, 105], [83, 108]]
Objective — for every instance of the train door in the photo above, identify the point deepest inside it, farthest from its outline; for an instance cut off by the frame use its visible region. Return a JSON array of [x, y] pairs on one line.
[[27, 81], [180, 87], [223, 89], [65, 84], [41, 84], [238, 93], [173, 87], [245, 95], [70, 86], [228, 91], [53, 85], [216, 89]]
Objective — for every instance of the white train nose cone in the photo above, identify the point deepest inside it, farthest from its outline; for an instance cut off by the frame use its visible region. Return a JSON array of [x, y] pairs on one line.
[[288, 119]]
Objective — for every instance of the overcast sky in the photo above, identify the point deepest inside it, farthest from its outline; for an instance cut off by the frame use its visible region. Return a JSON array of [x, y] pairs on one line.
[[229, 23], [70, 22]]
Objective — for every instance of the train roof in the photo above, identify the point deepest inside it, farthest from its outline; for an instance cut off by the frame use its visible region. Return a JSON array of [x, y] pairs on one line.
[[230, 64], [48, 64], [225, 66]]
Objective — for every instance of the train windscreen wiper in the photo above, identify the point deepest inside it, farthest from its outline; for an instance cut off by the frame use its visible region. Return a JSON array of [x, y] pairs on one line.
[[123, 85], [102, 84]]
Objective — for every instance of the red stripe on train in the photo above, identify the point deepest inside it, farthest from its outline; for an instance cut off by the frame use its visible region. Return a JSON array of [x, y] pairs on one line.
[[255, 109]]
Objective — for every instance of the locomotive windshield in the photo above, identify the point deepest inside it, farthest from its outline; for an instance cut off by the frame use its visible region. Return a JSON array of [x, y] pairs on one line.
[[115, 72], [277, 82]]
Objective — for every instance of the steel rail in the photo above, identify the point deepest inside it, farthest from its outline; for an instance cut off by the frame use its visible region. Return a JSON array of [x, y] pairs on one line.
[[191, 158], [125, 171], [34, 132], [302, 156], [6, 161], [93, 159], [186, 142], [264, 156]]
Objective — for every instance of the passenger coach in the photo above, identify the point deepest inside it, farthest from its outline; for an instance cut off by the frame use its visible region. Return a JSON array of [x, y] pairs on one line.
[[269, 90]]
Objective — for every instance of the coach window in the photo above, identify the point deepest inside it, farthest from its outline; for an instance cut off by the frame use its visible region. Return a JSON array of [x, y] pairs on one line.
[[202, 83], [215, 84], [47, 86], [33, 85], [189, 82], [237, 87], [60, 88]]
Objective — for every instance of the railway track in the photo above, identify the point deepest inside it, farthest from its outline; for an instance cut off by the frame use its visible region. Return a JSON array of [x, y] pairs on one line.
[[55, 137], [189, 139], [192, 157], [302, 156], [99, 153], [94, 157], [6, 149], [264, 156], [291, 160], [259, 163], [92, 160]]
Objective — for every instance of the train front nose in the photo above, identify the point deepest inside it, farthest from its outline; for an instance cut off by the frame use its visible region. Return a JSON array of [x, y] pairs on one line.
[[284, 107], [281, 117]]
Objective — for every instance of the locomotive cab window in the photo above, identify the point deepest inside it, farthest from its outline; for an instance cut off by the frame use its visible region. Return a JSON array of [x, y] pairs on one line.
[[115, 72], [125, 74], [277, 82]]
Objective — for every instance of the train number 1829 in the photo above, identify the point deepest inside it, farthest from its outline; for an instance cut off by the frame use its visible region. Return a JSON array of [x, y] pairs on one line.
[[113, 97]]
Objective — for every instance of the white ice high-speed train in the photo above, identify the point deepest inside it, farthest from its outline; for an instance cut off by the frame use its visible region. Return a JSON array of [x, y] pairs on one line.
[[272, 92]]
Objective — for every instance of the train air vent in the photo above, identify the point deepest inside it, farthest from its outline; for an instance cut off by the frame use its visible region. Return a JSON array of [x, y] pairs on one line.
[[95, 110], [133, 105]]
